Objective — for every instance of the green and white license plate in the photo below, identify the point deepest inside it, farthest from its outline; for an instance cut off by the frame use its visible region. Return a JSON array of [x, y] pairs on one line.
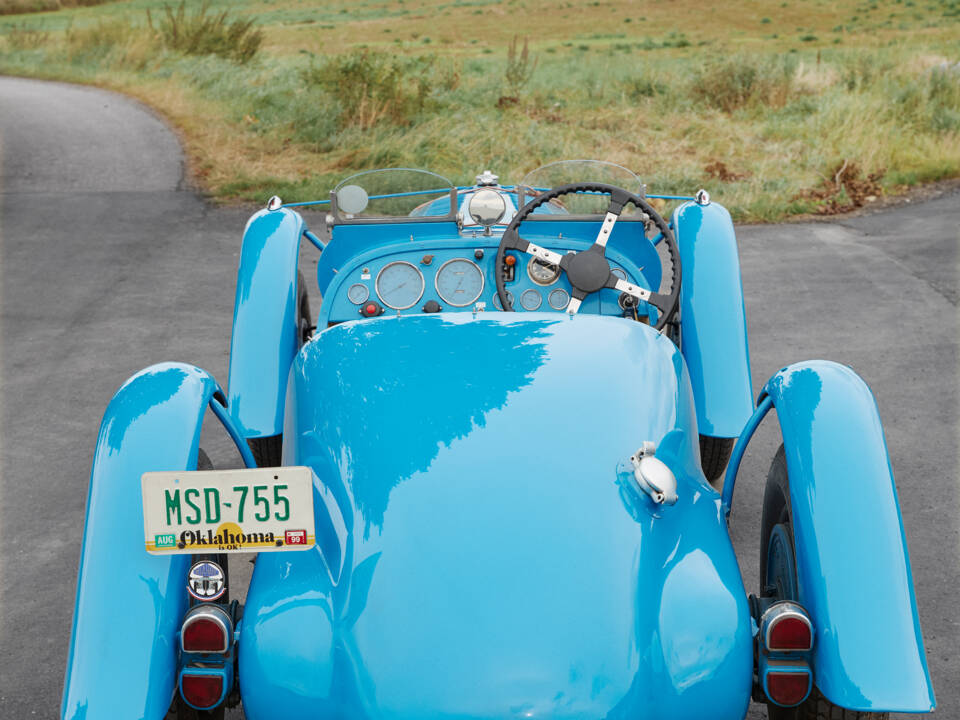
[[220, 511]]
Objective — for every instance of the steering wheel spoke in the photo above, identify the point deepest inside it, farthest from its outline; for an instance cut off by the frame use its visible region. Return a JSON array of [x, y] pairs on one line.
[[541, 253], [606, 228], [629, 288], [576, 300]]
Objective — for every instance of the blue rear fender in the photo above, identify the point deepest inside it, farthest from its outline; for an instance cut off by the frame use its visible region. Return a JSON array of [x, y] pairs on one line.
[[713, 326], [129, 606], [264, 338], [851, 552]]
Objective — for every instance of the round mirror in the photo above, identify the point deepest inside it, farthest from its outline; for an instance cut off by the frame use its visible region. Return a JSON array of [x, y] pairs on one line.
[[487, 207], [352, 199]]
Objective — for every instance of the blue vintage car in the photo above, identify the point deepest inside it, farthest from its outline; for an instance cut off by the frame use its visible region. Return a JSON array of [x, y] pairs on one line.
[[481, 480]]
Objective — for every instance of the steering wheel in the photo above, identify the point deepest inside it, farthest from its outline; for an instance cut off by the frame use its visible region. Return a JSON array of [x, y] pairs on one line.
[[588, 270]]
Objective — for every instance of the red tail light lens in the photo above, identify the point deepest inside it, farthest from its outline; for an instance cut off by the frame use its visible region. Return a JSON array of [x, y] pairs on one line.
[[202, 691], [204, 635], [787, 688], [206, 629], [790, 632], [785, 627]]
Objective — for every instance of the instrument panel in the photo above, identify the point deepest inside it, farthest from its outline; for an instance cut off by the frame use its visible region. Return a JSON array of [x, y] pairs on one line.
[[401, 280]]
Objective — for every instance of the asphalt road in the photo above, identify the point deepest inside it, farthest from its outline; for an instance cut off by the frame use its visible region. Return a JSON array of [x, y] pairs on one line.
[[108, 263]]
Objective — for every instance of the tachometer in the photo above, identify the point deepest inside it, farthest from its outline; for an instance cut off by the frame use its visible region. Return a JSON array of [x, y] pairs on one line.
[[399, 285], [459, 282]]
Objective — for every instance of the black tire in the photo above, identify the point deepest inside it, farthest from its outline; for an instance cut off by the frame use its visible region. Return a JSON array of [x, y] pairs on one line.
[[714, 456], [266, 450], [777, 511], [304, 319]]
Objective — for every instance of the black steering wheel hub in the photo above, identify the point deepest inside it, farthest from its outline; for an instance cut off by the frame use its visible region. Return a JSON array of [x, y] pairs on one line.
[[587, 270]]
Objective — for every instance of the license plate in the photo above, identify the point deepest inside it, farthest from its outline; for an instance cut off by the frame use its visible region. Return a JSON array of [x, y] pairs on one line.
[[217, 511]]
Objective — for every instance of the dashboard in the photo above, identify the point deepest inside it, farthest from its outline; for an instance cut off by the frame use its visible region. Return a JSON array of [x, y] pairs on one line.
[[459, 275]]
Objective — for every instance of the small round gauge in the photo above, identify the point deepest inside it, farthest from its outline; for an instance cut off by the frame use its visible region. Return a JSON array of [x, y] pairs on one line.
[[358, 294], [496, 300], [618, 272], [530, 299], [459, 282], [399, 285], [542, 273], [558, 298]]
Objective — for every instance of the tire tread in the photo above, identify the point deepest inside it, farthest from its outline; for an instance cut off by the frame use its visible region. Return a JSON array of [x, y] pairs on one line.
[[714, 455], [267, 450]]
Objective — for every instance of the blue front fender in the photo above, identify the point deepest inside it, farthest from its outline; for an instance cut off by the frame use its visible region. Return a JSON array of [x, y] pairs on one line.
[[264, 339], [713, 324], [852, 562], [123, 656]]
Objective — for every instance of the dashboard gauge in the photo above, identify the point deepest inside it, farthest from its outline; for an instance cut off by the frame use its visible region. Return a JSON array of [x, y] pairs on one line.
[[530, 299], [496, 300], [399, 285], [358, 294], [558, 299], [459, 282], [542, 273], [619, 273]]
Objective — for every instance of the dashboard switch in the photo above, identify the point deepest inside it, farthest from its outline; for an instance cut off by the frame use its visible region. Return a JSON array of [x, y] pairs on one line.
[[432, 306], [371, 309], [509, 265], [478, 253]]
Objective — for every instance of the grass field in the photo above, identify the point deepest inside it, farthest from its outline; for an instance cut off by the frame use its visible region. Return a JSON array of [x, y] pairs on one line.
[[777, 108]]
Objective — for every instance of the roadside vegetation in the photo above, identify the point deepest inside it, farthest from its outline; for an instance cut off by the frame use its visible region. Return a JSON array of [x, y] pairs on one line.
[[777, 108]]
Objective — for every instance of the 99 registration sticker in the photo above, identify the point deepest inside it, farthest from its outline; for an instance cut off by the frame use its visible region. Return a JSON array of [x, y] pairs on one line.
[[216, 511]]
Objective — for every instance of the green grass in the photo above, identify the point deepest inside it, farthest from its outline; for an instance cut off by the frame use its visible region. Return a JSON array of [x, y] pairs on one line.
[[685, 96]]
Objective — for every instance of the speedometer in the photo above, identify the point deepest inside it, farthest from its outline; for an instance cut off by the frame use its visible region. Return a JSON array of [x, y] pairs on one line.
[[459, 282], [399, 285]]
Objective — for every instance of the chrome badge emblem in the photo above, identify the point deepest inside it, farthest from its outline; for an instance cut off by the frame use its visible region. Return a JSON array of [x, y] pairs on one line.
[[206, 581]]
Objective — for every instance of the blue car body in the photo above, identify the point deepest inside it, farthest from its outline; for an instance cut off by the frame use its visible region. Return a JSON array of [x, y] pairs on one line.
[[483, 549]]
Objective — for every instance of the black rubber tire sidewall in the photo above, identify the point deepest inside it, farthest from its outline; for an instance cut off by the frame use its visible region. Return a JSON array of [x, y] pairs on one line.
[[304, 318]]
